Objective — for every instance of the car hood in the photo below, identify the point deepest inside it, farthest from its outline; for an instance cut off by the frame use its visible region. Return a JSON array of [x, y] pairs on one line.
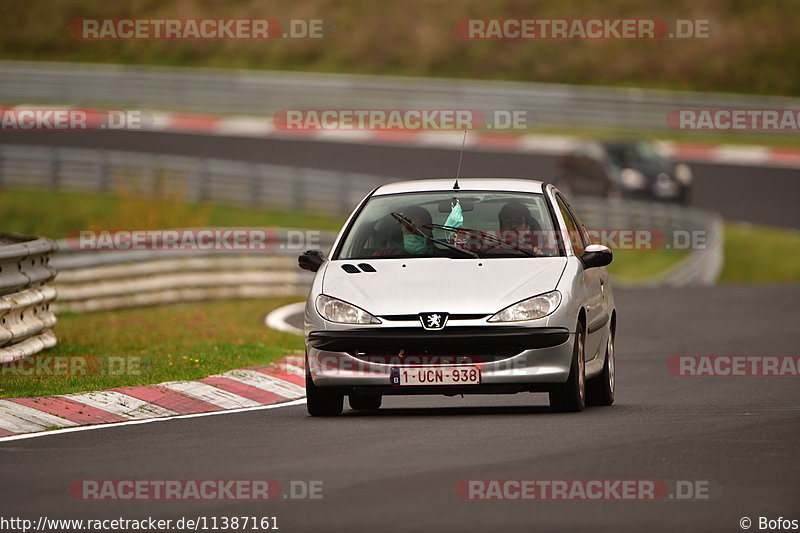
[[410, 286]]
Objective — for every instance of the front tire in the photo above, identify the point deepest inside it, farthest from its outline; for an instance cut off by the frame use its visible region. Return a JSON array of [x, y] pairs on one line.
[[571, 396], [321, 401], [600, 390]]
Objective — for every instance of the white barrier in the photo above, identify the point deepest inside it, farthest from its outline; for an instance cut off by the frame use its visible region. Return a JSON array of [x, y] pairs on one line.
[[26, 318]]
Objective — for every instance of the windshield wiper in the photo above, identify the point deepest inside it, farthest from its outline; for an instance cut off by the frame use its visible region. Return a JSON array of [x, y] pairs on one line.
[[483, 234], [404, 220]]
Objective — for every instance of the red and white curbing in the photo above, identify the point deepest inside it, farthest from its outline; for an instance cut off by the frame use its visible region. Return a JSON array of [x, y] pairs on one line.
[[283, 381], [526, 143], [263, 127]]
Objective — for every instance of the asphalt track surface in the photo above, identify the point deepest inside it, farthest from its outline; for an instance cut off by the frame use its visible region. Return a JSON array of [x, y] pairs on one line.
[[761, 195], [396, 470]]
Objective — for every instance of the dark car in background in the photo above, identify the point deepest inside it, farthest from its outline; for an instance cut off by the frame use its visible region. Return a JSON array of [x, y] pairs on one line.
[[623, 169]]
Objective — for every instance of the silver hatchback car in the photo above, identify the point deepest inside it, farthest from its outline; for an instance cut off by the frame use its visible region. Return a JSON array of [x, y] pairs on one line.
[[470, 286]]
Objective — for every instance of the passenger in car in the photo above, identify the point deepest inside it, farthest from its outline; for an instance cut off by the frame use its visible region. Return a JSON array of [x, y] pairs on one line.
[[413, 242], [518, 227]]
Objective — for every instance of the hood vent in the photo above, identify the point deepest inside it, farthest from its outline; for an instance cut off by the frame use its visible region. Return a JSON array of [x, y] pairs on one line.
[[352, 269]]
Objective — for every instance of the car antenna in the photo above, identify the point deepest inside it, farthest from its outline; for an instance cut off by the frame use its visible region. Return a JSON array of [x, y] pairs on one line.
[[460, 156]]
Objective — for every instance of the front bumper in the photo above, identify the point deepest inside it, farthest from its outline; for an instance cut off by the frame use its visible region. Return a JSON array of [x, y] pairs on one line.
[[510, 358], [665, 192]]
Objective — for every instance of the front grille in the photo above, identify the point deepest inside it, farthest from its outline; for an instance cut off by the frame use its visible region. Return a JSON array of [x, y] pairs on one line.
[[426, 359], [450, 317], [452, 345]]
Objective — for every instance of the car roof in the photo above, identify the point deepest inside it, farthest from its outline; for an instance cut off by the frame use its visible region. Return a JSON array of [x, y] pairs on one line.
[[464, 184], [615, 143], [619, 144]]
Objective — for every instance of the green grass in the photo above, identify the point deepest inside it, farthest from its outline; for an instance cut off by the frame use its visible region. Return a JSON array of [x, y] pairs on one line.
[[58, 214], [190, 341], [773, 254], [40, 212], [752, 48], [759, 254], [153, 345], [639, 265]]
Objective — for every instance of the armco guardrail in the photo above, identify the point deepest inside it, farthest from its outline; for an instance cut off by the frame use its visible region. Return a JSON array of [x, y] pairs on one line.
[[701, 267], [25, 295], [265, 92], [100, 280], [198, 179], [697, 232], [261, 185]]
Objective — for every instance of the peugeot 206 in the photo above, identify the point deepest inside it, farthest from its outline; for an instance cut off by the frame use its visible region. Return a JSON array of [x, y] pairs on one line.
[[452, 287]]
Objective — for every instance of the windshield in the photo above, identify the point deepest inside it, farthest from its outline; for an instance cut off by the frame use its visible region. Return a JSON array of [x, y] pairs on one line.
[[634, 154], [457, 224]]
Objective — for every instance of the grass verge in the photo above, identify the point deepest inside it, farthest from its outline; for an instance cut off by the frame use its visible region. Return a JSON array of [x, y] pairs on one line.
[[639, 265], [38, 212], [151, 345], [760, 254], [773, 253], [58, 214]]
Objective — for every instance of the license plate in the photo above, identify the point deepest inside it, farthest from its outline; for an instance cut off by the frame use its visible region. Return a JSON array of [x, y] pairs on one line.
[[426, 375]]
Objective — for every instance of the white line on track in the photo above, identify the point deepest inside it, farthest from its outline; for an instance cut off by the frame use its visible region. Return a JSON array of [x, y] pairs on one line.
[[277, 319]]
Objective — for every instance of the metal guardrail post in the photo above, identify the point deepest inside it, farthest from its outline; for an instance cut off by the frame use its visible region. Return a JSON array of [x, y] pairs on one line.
[[26, 319]]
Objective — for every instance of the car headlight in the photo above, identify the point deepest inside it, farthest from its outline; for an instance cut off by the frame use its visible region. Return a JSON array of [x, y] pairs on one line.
[[530, 309], [335, 310], [683, 173], [632, 178]]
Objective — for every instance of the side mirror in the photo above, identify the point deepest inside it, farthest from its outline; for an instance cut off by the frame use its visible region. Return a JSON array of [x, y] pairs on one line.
[[311, 260], [596, 255]]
